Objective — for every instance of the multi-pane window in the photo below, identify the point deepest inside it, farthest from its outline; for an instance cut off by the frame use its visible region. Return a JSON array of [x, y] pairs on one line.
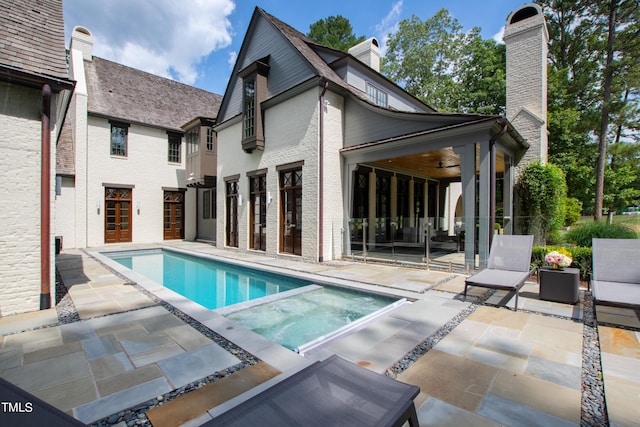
[[193, 140], [254, 92], [175, 142], [249, 108], [377, 95], [119, 133], [210, 139]]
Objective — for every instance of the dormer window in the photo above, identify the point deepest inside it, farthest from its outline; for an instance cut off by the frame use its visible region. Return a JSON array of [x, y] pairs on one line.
[[377, 95], [254, 91]]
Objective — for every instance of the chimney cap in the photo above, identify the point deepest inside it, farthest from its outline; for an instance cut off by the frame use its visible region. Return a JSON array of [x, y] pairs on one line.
[[525, 11]]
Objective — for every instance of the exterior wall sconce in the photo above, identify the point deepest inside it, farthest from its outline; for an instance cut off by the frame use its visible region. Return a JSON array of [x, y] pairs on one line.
[[269, 198], [98, 207], [239, 199], [138, 207]]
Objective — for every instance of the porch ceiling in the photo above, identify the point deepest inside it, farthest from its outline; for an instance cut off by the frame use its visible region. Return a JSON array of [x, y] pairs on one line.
[[440, 164]]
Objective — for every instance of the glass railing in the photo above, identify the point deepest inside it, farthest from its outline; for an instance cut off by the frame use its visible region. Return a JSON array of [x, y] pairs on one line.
[[434, 242]]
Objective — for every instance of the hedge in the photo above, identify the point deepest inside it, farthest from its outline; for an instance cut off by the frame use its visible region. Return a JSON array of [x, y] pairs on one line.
[[581, 258]]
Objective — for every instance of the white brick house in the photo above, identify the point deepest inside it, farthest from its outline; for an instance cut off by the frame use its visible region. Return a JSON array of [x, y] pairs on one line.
[[320, 155], [129, 150], [35, 90]]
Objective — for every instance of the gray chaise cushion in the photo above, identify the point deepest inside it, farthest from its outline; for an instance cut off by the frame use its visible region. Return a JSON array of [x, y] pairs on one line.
[[616, 271], [499, 279]]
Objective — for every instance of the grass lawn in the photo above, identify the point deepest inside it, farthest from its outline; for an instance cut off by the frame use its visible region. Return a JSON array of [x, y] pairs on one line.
[[631, 221]]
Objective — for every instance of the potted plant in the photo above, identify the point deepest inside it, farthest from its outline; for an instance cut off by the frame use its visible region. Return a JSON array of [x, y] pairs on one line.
[[559, 259]]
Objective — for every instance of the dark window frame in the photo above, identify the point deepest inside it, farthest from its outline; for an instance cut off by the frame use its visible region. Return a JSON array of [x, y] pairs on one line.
[[211, 138], [119, 148], [174, 147]]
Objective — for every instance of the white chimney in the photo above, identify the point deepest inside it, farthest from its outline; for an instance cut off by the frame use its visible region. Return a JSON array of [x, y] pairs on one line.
[[526, 39], [368, 52], [82, 40]]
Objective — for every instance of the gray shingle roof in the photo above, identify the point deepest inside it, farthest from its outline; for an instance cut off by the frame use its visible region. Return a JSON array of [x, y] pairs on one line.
[[121, 92], [303, 44], [32, 37]]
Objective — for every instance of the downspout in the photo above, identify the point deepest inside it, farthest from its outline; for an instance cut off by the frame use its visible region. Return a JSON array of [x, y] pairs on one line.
[[321, 176], [492, 175], [45, 202]]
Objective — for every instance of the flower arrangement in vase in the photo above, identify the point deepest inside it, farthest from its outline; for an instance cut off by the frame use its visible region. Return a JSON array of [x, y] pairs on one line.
[[558, 259]]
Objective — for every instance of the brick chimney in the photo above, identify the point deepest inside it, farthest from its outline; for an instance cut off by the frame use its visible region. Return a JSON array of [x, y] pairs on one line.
[[368, 52], [82, 40], [526, 39]]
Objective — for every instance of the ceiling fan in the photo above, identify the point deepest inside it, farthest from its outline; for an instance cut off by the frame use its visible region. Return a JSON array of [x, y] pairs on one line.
[[441, 166]]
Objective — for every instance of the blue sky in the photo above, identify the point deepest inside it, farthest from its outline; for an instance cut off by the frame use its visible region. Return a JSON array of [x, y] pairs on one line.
[[196, 41]]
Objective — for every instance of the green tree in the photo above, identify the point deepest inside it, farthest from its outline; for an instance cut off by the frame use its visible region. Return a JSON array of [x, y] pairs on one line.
[[425, 58], [593, 97], [483, 77], [335, 32]]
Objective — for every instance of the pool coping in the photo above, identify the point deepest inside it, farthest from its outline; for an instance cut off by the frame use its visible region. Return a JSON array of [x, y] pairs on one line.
[[264, 349]]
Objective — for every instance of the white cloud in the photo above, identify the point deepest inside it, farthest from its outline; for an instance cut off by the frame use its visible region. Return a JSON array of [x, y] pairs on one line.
[[232, 59], [165, 37], [389, 24], [498, 36]]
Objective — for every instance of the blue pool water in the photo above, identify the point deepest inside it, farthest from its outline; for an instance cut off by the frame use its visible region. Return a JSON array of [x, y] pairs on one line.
[[305, 315], [210, 283]]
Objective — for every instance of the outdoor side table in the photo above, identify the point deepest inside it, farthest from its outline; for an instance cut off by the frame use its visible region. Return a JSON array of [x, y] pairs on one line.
[[559, 285], [328, 393]]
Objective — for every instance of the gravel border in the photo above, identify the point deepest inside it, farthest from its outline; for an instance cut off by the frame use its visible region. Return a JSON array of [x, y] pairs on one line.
[[136, 415], [593, 404]]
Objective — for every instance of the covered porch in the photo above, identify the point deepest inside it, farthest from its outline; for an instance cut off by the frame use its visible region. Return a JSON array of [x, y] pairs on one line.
[[432, 196]]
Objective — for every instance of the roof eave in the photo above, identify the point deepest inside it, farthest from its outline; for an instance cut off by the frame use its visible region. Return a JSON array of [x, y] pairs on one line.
[[34, 80]]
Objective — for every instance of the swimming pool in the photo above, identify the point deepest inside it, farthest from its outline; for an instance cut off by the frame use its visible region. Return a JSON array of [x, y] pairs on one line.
[[296, 313], [210, 283]]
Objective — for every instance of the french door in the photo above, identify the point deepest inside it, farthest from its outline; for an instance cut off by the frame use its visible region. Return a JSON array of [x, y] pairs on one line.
[[117, 219], [258, 214], [232, 214], [173, 215], [291, 211]]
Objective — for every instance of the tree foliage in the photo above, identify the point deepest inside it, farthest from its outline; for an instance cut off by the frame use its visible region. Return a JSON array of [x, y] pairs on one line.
[[448, 68], [541, 198], [335, 32], [594, 99]]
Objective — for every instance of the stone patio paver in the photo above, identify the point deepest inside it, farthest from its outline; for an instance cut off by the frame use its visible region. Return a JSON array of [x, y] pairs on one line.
[[496, 366]]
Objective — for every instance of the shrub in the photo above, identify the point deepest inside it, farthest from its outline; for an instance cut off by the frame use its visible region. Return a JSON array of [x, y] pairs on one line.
[[541, 192], [582, 235], [572, 211]]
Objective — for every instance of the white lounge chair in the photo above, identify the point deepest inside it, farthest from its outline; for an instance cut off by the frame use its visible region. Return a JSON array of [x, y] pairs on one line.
[[509, 265]]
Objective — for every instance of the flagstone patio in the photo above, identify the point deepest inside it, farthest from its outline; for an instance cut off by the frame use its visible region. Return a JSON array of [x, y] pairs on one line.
[[477, 362]]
